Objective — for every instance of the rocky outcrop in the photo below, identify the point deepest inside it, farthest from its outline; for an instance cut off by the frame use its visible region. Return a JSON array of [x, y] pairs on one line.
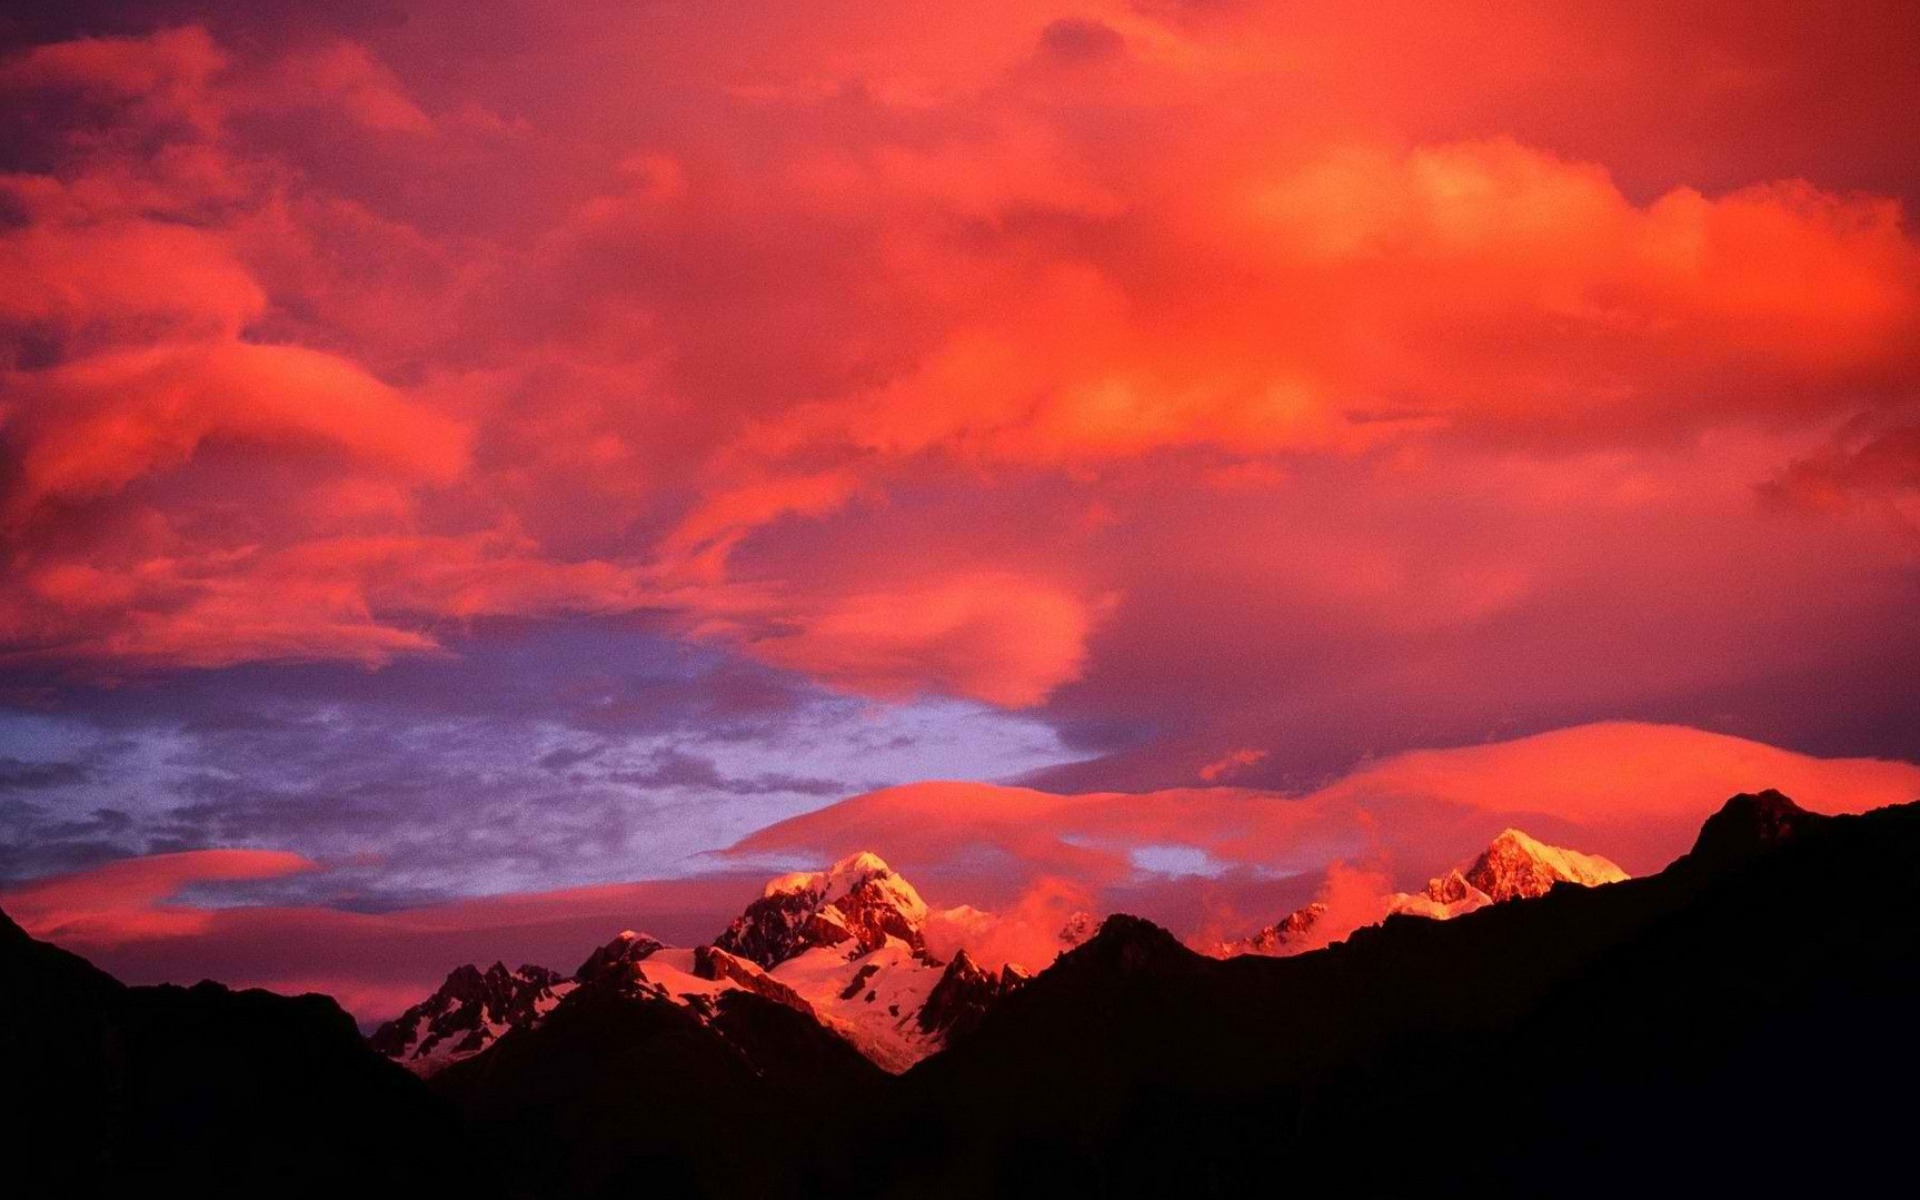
[[1285, 936], [615, 960], [711, 962]]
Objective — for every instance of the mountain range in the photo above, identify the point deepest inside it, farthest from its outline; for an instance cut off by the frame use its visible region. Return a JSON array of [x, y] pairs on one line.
[[1740, 1020], [847, 947], [844, 947]]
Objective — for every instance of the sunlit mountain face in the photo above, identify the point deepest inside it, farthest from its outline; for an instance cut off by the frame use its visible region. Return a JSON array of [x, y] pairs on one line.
[[479, 477]]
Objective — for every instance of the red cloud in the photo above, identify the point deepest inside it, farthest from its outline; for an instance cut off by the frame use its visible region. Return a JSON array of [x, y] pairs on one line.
[[91, 427], [759, 339], [167, 76], [1229, 763]]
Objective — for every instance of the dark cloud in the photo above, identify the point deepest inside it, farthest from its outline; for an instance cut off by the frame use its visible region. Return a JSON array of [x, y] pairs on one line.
[[674, 768], [18, 775], [1876, 470], [581, 753], [1076, 41]]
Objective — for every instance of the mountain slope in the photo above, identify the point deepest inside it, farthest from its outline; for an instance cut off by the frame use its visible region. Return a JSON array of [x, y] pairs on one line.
[[624, 1093]]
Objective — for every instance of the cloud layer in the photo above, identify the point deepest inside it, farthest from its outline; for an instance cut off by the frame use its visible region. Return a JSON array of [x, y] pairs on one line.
[[724, 336], [1011, 865]]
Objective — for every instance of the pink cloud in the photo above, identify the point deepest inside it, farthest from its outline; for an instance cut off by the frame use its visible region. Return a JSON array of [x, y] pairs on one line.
[[1634, 793], [168, 75], [1872, 472], [126, 918], [999, 638], [129, 900]]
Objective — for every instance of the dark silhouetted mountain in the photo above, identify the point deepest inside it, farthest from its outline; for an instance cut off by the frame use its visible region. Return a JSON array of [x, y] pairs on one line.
[[1739, 1023], [201, 1091], [1747, 825], [1743, 1022], [616, 958], [618, 1093]]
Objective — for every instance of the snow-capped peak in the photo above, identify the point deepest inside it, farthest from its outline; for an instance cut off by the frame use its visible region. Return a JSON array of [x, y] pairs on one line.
[[1288, 936], [1514, 866], [857, 904], [861, 870], [468, 1013], [843, 946]]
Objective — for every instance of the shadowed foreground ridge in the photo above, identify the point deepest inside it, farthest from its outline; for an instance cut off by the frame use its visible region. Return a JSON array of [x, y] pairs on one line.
[[1741, 1020], [1671, 1027], [201, 1091]]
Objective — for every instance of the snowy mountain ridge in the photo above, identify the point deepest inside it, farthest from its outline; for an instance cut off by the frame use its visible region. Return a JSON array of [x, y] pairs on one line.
[[1514, 866], [844, 946]]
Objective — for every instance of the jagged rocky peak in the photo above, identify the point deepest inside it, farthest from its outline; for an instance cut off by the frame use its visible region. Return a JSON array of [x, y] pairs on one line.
[[858, 900], [615, 960], [1516, 867], [1282, 937], [1079, 927], [966, 990], [1512, 867], [1451, 888], [467, 1013], [1748, 824]]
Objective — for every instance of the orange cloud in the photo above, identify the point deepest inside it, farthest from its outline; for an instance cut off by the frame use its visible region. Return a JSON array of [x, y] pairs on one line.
[[91, 427], [999, 638], [1025, 933]]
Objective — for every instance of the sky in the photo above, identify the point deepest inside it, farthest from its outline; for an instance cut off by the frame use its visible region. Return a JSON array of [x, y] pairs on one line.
[[475, 476]]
